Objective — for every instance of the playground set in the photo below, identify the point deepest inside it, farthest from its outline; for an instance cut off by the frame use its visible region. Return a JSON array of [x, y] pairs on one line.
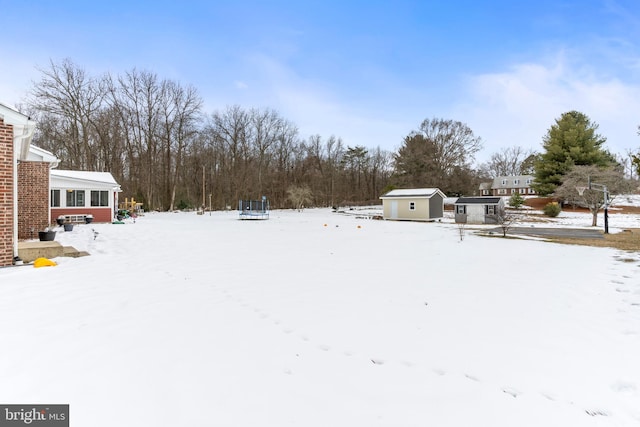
[[128, 209]]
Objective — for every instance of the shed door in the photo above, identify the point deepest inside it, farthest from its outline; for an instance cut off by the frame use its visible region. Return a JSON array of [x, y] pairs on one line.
[[394, 209]]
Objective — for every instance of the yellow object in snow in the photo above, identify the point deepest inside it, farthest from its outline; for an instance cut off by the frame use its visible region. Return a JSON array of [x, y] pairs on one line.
[[43, 262]]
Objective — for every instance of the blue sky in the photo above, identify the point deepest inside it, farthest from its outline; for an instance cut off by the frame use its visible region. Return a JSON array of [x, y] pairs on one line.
[[366, 71]]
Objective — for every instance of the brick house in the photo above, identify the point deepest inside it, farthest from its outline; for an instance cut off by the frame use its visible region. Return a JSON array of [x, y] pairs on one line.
[[508, 185], [34, 176], [27, 181], [16, 131]]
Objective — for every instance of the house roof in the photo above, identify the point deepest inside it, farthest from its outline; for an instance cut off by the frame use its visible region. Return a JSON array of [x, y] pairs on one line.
[[10, 114], [413, 192], [516, 181], [89, 179], [41, 155], [23, 128], [478, 200]]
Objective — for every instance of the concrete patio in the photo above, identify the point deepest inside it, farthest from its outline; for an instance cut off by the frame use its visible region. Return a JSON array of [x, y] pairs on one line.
[[28, 251]]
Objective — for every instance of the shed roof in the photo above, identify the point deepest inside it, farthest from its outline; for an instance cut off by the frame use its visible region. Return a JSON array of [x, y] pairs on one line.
[[478, 200], [413, 192]]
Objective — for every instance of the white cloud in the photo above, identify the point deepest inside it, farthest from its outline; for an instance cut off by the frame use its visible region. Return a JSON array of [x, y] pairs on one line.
[[517, 107], [240, 85], [318, 107]]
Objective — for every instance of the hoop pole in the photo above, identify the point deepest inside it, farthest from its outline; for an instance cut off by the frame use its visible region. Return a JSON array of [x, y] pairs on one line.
[[606, 210]]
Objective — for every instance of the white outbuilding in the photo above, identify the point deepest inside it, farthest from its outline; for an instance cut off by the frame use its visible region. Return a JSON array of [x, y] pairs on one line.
[[478, 210]]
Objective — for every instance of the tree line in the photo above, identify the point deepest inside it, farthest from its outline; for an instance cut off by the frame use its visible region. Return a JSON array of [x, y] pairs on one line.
[[156, 139]]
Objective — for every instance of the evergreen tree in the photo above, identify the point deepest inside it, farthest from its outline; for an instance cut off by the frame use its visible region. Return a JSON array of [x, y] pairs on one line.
[[516, 200], [571, 141]]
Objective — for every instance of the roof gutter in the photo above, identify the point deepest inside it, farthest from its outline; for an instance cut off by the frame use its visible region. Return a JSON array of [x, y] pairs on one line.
[[22, 141]]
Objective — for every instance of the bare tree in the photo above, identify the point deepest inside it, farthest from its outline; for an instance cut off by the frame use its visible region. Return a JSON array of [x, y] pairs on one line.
[[380, 166], [461, 229], [594, 198], [267, 127], [454, 142], [355, 162], [505, 220], [68, 101], [324, 162], [628, 162], [137, 98], [230, 130], [150, 134], [508, 162], [179, 112], [286, 155], [436, 154], [299, 196]]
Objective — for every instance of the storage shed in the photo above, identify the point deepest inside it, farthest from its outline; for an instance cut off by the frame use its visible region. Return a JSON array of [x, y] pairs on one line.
[[478, 210], [413, 204]]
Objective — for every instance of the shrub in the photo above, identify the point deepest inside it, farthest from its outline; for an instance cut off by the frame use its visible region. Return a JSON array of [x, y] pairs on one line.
[[516, 200], [182, 205], [552, 209]]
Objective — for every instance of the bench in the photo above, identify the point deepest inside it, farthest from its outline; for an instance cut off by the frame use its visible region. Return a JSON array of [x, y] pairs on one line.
[[75, 219]]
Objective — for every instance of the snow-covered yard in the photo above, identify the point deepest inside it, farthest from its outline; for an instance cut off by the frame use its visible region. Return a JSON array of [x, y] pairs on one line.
[[317, 318]]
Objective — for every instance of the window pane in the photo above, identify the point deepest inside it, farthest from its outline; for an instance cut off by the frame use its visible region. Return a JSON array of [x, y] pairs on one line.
[[55, 198], [80, 198], [71, 201]]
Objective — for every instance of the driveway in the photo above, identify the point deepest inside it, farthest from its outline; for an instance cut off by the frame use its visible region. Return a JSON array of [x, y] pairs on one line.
[[579, 233]]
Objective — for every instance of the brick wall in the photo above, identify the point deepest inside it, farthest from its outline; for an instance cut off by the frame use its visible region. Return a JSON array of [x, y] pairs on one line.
[[6, 194], [33, 199]]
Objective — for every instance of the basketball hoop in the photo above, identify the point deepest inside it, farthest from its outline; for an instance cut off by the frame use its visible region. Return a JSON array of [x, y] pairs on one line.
[[581, 190]]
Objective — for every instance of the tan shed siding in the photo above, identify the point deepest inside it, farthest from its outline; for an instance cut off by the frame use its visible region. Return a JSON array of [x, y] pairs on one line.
[[386, 209], [421, 211], [405, 213], [6, 194], [428, 202], [403, 209]]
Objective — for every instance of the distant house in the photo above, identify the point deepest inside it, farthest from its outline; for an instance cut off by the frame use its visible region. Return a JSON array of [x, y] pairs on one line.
[[415, 204], [478, 210], [508, 185], [485, 188], [79, 195]]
